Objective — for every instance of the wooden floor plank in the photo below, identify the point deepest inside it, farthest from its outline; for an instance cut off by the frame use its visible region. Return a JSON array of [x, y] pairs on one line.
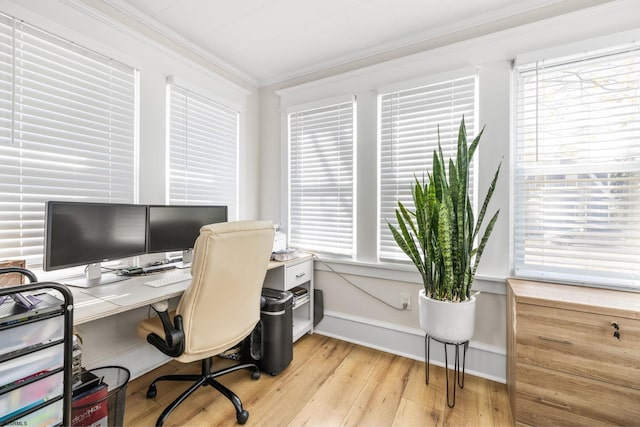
[[500, 404], [380, 397], [336, 396], [411, 413], [328, 383]]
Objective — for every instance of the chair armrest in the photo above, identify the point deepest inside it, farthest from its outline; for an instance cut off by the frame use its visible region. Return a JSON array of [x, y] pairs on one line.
[[173, 342]]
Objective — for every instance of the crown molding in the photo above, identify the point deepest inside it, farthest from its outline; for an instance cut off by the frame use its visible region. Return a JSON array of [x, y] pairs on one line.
[[483, 25], [134, 23]]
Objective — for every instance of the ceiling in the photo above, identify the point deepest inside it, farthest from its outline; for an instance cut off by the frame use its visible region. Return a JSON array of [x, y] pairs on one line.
[[269, 41]]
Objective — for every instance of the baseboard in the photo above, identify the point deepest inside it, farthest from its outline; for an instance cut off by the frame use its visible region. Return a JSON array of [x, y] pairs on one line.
[[483, 360]]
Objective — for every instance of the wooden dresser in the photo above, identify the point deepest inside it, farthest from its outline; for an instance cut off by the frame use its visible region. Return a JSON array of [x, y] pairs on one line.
[[573, 355]]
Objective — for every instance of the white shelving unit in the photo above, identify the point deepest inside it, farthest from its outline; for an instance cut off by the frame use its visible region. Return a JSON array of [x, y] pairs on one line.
[[286, 275]]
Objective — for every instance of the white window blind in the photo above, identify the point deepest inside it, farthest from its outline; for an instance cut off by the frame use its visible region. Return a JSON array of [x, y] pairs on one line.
[[321, 179], [409, 121], [203, 151], [67, 132], [577, 169]]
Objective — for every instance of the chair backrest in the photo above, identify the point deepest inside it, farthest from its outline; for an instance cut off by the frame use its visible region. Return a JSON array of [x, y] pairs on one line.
[[222, 304]]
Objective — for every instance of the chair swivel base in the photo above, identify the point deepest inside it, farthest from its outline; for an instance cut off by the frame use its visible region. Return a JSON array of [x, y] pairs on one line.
[[457, 378], [205, 378]]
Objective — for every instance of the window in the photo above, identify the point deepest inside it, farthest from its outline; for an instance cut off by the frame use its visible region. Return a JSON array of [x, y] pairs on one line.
[[577, 169], [408, 134], [321, 179], [67, 132], [203, 151]]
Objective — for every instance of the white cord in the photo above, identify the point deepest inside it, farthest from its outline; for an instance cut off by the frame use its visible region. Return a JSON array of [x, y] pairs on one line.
[[404, 305]]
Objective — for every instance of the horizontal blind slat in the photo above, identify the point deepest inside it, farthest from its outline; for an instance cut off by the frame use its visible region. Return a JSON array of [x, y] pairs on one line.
[[203, 151], [577, 170], [321, 181], [74, 115], [410, 122]]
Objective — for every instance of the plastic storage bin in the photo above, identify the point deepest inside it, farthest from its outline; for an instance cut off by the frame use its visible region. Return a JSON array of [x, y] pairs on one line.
[[44, 417], [32, 394], [32, 333], [32, 365], [106, 400]]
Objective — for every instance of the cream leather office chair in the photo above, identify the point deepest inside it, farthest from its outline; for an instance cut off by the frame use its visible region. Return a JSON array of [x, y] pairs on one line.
[[218, 310]]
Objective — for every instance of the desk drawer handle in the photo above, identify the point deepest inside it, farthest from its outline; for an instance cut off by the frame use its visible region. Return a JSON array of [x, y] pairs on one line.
[[554, 340], [554, 404], [299, 275]]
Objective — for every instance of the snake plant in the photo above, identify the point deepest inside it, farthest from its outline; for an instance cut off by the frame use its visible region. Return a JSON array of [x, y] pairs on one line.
[[439, 234]]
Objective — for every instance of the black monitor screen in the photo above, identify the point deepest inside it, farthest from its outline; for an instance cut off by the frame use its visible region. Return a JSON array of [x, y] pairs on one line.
[[78, 233], [176, 228]]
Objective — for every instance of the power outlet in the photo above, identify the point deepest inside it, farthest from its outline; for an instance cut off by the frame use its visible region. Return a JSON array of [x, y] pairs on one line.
[[405, 301]]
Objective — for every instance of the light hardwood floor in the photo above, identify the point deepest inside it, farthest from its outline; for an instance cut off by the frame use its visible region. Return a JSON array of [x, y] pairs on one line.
[[329, 383]]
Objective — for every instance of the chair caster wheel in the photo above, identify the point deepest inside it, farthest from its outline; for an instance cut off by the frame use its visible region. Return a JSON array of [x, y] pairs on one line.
[[255, 374], [152, 391], [242, 416]]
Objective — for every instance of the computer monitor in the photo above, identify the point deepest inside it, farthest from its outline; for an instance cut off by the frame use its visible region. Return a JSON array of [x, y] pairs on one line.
[[176, 227], [79, 233]]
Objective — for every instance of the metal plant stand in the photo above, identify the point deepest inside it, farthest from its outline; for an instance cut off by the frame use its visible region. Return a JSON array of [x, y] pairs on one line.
[[451, 402]]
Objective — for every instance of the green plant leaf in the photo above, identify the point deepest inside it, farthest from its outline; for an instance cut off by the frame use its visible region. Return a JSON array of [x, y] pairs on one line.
[[483, 242], [474, 143], [486, 201], [444, 239], [405, 240], [439, 235]]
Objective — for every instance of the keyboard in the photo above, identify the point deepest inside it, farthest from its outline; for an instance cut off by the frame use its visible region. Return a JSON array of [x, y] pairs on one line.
[[169, 279]]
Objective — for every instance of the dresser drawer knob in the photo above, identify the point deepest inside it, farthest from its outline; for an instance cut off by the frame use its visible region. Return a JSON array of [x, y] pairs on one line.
[[299, 275]]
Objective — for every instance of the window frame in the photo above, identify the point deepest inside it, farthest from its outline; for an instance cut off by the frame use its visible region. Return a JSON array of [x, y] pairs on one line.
[[559, 57], [51, 96], [392, 253], [221, 107], [306, 107]]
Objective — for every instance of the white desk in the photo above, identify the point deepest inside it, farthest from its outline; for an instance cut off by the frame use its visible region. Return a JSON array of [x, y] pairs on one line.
[[106, 316], [106, 300]]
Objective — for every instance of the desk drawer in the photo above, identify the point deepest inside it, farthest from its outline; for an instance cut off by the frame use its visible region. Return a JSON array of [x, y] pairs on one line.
[[579, 343], [546, 397], [298, 274]]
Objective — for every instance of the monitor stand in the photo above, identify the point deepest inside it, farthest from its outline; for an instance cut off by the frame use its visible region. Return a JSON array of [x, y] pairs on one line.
[[95, 277], [182, 265], [187, 257]]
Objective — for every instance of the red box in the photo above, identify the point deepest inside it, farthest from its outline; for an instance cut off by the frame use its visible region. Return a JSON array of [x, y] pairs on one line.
[[90, 408]]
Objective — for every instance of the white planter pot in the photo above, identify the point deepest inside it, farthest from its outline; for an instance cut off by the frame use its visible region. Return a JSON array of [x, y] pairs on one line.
[[448, 321]]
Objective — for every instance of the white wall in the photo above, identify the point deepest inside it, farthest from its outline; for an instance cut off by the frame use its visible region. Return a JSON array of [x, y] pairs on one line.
[[349, 313]]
